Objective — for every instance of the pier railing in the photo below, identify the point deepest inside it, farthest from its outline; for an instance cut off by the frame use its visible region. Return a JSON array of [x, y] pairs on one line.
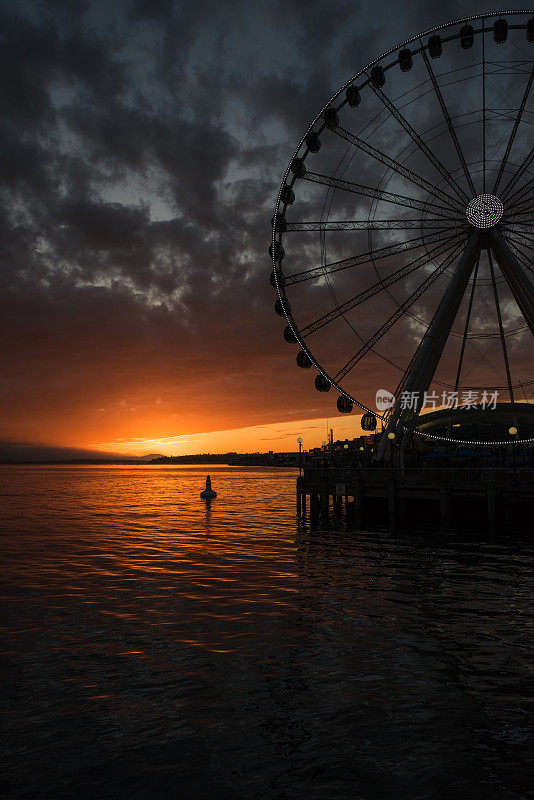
[[440, 475]]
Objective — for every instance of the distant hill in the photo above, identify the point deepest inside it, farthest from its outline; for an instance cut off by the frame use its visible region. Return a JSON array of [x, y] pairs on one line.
[[199, 458], [35, 452]]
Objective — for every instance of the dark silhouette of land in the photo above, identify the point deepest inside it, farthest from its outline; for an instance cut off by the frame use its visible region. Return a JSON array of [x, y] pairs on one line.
[[232, 459]]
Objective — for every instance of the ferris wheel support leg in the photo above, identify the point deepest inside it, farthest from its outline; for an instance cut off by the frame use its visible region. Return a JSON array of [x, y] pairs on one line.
[[431, 347], [515, 276]]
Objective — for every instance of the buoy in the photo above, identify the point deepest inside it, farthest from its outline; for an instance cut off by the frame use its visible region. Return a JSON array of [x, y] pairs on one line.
[[208, 492]]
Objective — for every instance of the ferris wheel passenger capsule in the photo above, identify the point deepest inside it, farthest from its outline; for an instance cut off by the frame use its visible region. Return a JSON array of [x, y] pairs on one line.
[[287, 196], [435, 47], [279, 276], [289, 336], [279, 222], [313, 143], [279, 308], [322, 384], [353, 96], [368, 422], [530, 30], [303, 360], [298, 167], [405, 60], [331, 119], [344, 405], [378, 78], [278, 251], [467, 37], [500, 30]]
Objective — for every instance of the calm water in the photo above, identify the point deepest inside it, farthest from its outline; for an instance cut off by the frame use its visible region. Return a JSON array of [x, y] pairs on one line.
[[157, 648]]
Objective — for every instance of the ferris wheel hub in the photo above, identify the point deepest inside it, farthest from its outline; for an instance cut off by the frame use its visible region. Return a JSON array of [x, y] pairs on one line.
[[484, 211]]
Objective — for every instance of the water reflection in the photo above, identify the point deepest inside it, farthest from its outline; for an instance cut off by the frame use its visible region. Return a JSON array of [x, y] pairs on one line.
[[157, 641], [207, 506]]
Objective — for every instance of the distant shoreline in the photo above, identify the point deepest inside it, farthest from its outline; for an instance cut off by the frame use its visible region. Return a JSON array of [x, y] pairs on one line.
[[140, 463]]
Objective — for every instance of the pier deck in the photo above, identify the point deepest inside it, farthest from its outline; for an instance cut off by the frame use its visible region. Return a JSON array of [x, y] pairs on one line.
[[496, 496]]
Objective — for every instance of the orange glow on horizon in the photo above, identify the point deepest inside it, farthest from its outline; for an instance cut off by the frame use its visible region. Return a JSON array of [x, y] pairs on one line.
[[277, 436]]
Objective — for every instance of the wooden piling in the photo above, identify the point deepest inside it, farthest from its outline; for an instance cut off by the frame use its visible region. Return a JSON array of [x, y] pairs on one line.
[[391, 501], [508, 512], [358, 502], [444, 502], [314, 504], [490, 493], [324, 499]]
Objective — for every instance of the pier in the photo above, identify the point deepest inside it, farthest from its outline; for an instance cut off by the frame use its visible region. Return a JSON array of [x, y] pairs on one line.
[[446, 497]]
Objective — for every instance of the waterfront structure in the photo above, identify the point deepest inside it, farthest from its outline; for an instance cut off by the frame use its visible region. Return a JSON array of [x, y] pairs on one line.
[[494, 498], [430, 147]]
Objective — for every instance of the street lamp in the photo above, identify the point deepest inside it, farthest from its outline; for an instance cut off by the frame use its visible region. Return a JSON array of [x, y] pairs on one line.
[[299, 440], [512, 430], [391, 437]]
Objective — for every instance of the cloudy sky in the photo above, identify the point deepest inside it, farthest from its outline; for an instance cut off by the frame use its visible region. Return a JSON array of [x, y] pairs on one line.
[[143, 143]]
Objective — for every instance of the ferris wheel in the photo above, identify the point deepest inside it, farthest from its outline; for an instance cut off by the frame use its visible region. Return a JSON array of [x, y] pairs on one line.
[[402, 236]]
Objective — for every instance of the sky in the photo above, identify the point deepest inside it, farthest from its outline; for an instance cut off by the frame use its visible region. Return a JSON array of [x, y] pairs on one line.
[[142, 146]]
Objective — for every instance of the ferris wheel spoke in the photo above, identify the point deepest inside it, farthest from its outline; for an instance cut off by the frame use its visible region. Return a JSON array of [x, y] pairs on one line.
[[521, 211], [434, 160], [448, 120], [520, 237], [521, 228], [501, 330], [400, 169], [522, 217], [522, 195], [375, 289], [524, 237], [517, 176], [514, 132], [522, 221], [519, 216], [396, 316], [371, 225], [378, 194], [365, 258]]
